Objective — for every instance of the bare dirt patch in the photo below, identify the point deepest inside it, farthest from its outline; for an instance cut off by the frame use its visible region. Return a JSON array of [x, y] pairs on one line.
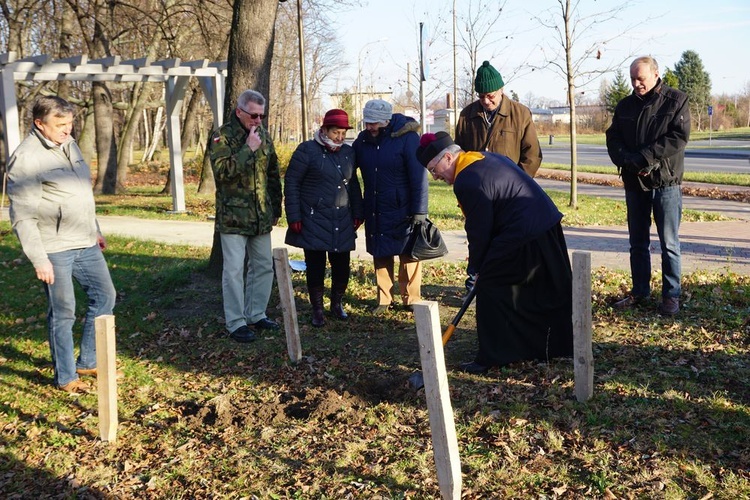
[[307, 404]]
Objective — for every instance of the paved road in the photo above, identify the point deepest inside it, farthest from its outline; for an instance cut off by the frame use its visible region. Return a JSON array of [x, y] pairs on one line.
[[705, 245], [722, 156]]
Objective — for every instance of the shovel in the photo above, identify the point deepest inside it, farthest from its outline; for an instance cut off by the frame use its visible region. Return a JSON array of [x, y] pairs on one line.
[[416, 380]]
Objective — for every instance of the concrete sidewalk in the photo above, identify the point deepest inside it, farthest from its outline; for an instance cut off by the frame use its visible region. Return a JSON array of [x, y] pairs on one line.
[[705, 245]]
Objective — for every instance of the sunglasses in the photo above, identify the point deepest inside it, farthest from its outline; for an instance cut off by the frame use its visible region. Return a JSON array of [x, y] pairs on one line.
[[253, 115]]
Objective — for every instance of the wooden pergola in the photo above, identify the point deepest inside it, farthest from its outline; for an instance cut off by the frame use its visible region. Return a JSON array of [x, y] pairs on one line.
[[174, 73]]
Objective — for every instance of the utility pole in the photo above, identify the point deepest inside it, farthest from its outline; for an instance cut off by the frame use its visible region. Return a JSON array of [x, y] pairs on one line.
[[455, 72]]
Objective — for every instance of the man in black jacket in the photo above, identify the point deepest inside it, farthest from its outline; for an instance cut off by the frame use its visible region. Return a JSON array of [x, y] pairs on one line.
[[647, 139]]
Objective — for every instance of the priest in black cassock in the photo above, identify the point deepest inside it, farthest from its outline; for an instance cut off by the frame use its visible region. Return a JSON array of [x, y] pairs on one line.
[[524, 281]]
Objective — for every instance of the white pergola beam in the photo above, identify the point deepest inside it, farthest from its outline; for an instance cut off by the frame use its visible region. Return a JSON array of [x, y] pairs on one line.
[[73, 61], [173, 72]]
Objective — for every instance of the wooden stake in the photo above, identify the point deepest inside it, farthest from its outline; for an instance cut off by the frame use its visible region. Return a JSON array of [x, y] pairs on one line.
[[583, 357], [444, 441], [286, 294], [106, 379]]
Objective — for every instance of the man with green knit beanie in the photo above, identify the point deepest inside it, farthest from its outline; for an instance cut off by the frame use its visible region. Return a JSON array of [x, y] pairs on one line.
[[498, 124]]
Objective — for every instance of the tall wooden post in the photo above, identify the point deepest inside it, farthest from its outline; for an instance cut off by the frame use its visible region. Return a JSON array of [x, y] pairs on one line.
[[583, 357], [442, 426], [286, 294], [106, 377]]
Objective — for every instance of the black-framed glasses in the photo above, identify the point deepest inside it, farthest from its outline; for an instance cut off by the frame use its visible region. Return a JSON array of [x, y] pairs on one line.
[[253, 115], [432, 170]]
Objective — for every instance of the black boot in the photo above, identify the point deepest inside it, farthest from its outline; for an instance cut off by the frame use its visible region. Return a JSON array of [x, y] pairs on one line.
[[316, 300], [337, 293]]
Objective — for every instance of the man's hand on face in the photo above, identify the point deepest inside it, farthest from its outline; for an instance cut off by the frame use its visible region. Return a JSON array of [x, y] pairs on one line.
[[253, 140]]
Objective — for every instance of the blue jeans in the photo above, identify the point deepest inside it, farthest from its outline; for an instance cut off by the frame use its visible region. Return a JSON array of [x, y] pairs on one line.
[[666, 204], [88, 267], [246, 296]]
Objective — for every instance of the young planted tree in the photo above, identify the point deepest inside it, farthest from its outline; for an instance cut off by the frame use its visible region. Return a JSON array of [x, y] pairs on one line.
[[577, 56], [695, 81]]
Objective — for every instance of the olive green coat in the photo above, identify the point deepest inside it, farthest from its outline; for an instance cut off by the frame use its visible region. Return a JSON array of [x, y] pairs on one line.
[[513, 133], [248, 185]]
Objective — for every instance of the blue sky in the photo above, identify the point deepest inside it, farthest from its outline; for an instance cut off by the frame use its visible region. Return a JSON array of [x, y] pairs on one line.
[[719, 31]]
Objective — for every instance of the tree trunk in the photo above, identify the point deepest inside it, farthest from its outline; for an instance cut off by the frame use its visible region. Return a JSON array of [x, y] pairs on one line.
[[155, 135], [67, 42], [207, 184], [250, 49], [132, 122], [248, 67], [87, 134], [106, 149]]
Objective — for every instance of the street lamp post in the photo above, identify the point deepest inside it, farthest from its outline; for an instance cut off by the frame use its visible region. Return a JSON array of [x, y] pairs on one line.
[[302, 73]]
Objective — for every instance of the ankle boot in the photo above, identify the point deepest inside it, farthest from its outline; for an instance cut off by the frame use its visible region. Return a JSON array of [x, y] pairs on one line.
[[337, 309], [316, 300]]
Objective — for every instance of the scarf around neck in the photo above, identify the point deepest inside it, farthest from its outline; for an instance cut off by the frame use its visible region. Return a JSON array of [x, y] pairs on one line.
[[327, 143]]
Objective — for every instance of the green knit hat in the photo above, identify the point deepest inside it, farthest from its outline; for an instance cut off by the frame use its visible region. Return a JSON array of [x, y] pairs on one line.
[[488, 79]]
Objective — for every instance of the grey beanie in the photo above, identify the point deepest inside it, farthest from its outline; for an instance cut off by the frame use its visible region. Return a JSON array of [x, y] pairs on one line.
[[376, 111]]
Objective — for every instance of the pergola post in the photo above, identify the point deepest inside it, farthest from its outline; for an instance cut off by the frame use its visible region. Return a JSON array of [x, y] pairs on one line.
[[173, 73], [9, 107], [175, 95]]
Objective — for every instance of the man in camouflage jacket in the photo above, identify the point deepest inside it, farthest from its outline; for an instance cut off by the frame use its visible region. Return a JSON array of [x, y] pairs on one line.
[[248, 205]]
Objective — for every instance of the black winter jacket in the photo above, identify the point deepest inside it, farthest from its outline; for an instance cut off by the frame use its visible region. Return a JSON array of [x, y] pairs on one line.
[[647, 138], [322, 191]]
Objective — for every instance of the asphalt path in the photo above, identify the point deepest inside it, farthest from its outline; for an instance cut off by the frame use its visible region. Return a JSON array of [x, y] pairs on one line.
[[731, 157]]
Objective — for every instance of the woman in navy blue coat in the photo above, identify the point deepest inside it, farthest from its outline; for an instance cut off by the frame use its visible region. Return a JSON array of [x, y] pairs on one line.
[[395, 193], [323, 203]]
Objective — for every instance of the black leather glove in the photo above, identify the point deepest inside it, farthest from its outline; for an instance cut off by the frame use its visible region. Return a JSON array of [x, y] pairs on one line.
[[633, 163]]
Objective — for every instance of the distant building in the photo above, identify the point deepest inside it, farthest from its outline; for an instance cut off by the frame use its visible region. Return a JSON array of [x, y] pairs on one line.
[[586, 114], [358, 100]]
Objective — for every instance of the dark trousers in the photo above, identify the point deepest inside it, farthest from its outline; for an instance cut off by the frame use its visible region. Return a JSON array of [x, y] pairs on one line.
[[315, 261]]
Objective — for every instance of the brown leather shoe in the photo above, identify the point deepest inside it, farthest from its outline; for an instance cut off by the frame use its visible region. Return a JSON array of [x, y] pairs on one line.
[[380, 309], [77, 386], [669, 306], [91, 372], [628, 302]]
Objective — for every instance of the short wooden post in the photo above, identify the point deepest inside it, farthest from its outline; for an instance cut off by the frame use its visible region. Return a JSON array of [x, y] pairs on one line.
[[444, 441], [106, 379], [583, 357], [286, 294]]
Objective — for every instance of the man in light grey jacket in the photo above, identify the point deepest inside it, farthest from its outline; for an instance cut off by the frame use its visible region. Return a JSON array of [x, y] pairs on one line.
[[52, 211]]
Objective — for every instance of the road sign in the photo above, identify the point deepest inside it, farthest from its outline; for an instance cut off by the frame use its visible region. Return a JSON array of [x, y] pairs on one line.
[[710, 110]]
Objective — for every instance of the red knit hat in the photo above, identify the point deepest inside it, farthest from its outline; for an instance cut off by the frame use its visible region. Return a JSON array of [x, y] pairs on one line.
[[336, 118]]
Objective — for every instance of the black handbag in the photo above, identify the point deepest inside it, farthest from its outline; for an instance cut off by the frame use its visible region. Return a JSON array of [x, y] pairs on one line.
[[425, 241]]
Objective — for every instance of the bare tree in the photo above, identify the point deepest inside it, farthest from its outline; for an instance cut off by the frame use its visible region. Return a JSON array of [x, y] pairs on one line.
[[100, 13], [478, 28], [571, 51]]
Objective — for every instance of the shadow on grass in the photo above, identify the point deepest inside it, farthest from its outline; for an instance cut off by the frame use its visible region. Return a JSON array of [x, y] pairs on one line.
[[200, 384]]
